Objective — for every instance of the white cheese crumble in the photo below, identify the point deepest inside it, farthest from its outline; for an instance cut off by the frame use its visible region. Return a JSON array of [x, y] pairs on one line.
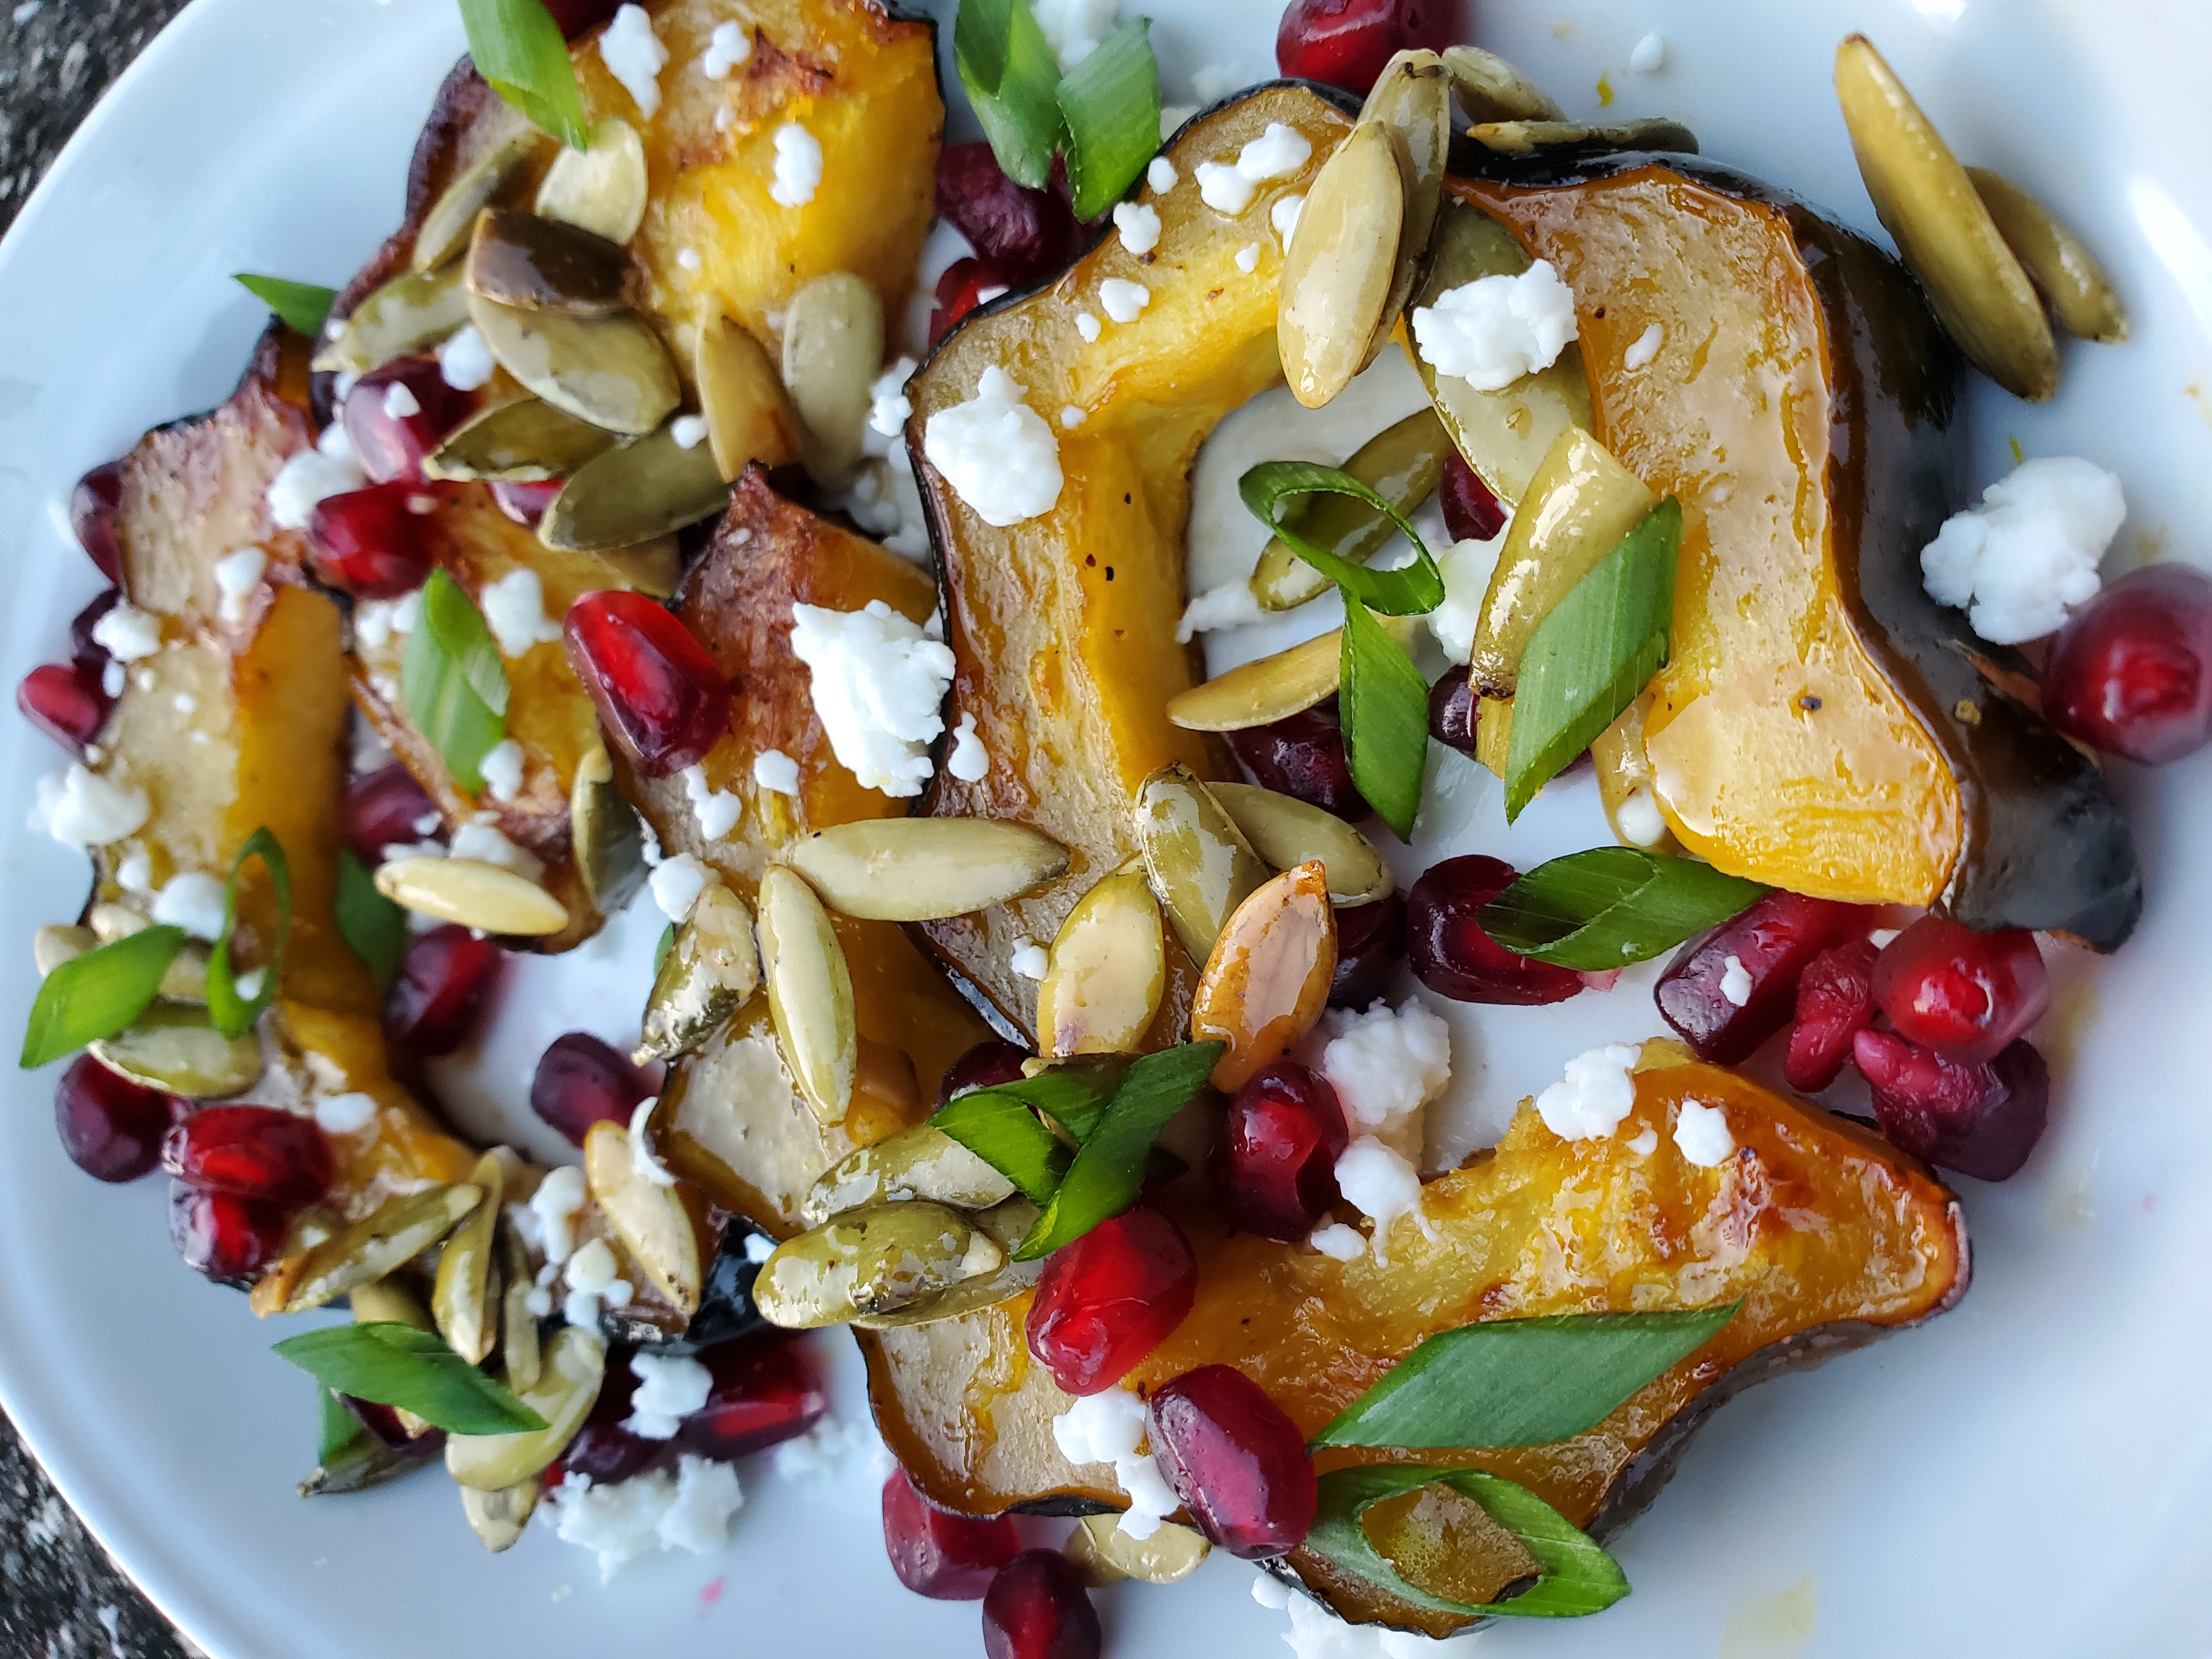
[[1317, 1633], [1338, 1242], [376, 622], [1492, 331], [776, 772], [668, 1391], [114, 677], [192, 900], [889, 407], [83, 809], [1644, 1143], [634, 55], [1070, 416], [727, 47], [483, 842], [2024, 558], [641, 1159], [1644, 347], [514, 610], [691, 259], [249, 985], [1880, 937], [689, 1510], [1382, 1184], [1283, 216], [1736, 982], [400, 402], [758, 1248], [1074, 28], [135, 874], [465, 361], [996, 451], [716, 810], [1248, 257], [1701, 1132], [312, 477], [591, 1275], [1088, 326], [798, 166], [677, 883], [1139, 226], [502, 767], [969, 761], [347, 1114], [126, 633], [1108, 1427], [553, 1211], [688, 431], [1160, 173], [1123, 300], [832, 1450], [1232, 605], [1385, 1065], [1648, 55], [996, 290], [238, 579], [1639, 819], [1030, 959], [1467, 568], [876, 681], [1229, 186], [1595, 1094]]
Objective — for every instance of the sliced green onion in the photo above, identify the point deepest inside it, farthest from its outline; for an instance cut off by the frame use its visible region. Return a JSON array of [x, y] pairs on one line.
[[453, 682], [303, 306], [520, 51], [1013, 80], [1269, 489], [372, 926], [232, 1011], [1111, 103], [396, 1364], [1384, 705], [99, 994], [997, 1125], [1611, 906]]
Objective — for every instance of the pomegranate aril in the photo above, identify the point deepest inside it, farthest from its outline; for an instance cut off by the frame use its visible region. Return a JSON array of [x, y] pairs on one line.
[[2132, 671], [227, 1237], [1276, 1165], [1453, 707], [445, 981], [656, 688], [1370, 945], [1472, 511], [369, 543], [398, 413], [1237, 1461], [1725, 1012], [766, 1391], [987, 1064], [1025, 234], [525, 503], [945, 1557], [93, 508], [581, 1081], [83, 647], [67, 700], [1965, 994], [259, 1152], [110, 1127], [577, 17], [386, 808], [1037, 1608], [1454, 957], [383, 1422], [1980, 1120], [603, 1449], [960, 290], [1303, 757], [1109, 1298], [1346, 43], [1835, 1003]]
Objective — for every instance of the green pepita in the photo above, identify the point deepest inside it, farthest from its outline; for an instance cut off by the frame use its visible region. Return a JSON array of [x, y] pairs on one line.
[[872, 1259], [612, 371], [466, 1298], [925, 869], [535, 264], [833, 349], [1287, 832], [446, 226], [175, 1048], [921, 1163], [1200, 866], [1107, 970], [523, 440], [567, 1388], [646, 488], [710, 972], [606, 834], [407, 314], [1401, 464], [603, 187], [394, 1233], [809, 991]]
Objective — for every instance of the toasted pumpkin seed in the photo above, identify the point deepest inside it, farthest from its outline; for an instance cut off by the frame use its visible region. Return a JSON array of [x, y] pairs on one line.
[[362, 1462], [872, 1259], [606, 834], [1287, 832], [498, 1518], [2057, 262], [612, 371], [809, 991], [1009, 1222], [653, 567], [1263, 692], [380, 1302], [473, 893], [567, 1388], [309, 1227], [523, 440], [922, 1163], [1627, 783], [648, 487], [710, 972], [56, 942], [183, 980], [1268, 980], [925, 869], [748, 417], [649, 1219], [1403, 464], [520, 1356], [453, 216], [404, 315], [833, 349], [1578, 137], [1975, 282], [1341, 264], [394, 1233], [1200, 866], [1491, 89], [465, 1297], [535, 264], [1104, 1554], [1412, 99], [175, 1048], [1107, 970], [602, 188]]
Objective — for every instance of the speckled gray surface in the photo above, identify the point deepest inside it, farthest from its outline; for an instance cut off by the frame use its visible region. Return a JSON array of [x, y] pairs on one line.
[[60, 1596]]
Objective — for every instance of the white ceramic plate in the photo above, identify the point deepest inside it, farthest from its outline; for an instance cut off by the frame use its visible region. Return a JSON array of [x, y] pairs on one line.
[[2023, 1476]]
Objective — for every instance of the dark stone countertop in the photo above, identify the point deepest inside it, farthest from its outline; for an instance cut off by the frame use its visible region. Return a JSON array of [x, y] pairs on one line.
[[60, 1596]]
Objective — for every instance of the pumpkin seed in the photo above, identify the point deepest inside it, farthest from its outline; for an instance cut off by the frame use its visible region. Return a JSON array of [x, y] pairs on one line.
[[175, 1048], [1201, 865], [833, 349], [606, 833], [486, 896], [925, 869], [521, 1357], [1107, 970], [1412, 99], [602, 188], [1491, 89], [110, 922], [653, 567], [918, 1163], [1581, 139], [1104, 1554], [1628, 785], [1287, 832], [1009, 1223], [747, 418], [183, 980], [872, 1259], [534, 263], [1975, 284], [567, 1388], [404, 315], [710, 972], [612, 371], [56, 942], [362, 1462], [1401, 464], [1504, 434], [648, 487], [2057, 262], [1263, 692], [649, 1219], [466, 1297], [1267, 978], [498, 1518], [1341, 263], [382, 1302], [446, 226], [389, 1237], [523, 441], [309, 1227], [809, 991]]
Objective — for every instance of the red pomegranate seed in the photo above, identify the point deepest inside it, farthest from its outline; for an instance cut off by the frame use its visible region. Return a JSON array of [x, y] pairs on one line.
[[1109, 1298], [397, 414], [960, 290], [1025, 234], [1303, 757], [1981, 1120], [945, 1557], [578, 17], [1276, 1165], [1725, 1013], [603, 1449], [443, 984], [227, 1237], [67, 701], [987, 1064], [1370, 943], [368, 543], [386, 808], [525, 503], [656, 687], [1237, 1461], [1455, 957], [83, 647], [581, 1081], [1472, 511], [1835, 1003], [110, 1127], [1453, 707], [94, 505], [2132, 671], [766, 1391], [1037, 1608], [383, 1422], [1346, 43], [259, 1152], [1965, 994]]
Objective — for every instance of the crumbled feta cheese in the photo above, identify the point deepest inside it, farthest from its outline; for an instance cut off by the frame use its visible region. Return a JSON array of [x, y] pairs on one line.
[[1338, 1242], [688, 431], [634, 55], [1232, 605], [347, 1114], [1645, 1142], [126, 633], [114, 677], [1644, 347], [727, 47], [619, 1521], [1491, 332], [312, 477], [1088, 326], [668, 1391], [502, 767], [249, 984], [692, 260], [1283, 216], [1701, 1133], [996, 451], [798, 166], [967, 762], [485, 844], [1139, 226], [1160, 173], [1222, 188], [1381, 1184], [83, 809], [876, 681], [1030, 959], [1074, 28], [1070, 416], [1270, 1593], [553, 1210], [889, 407], [1880, 937], [832, 1449], [1123, 301], [716, 810], [465, 361], [1317, 1633], [996, 290], [758, 1248], [641, 1160], [192, 900], [677, 884], [1595, 1094], [1385, 1065], [1248, 257], [1650, 53], [134, 873], [1229, 186], [1108, 1427], [376, 621], [1735, 982], [776, 772], [238, 577], [514, 610], [1467, 568], [399, 402], [1637, 817], [2024, 558], [539, 1301]]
